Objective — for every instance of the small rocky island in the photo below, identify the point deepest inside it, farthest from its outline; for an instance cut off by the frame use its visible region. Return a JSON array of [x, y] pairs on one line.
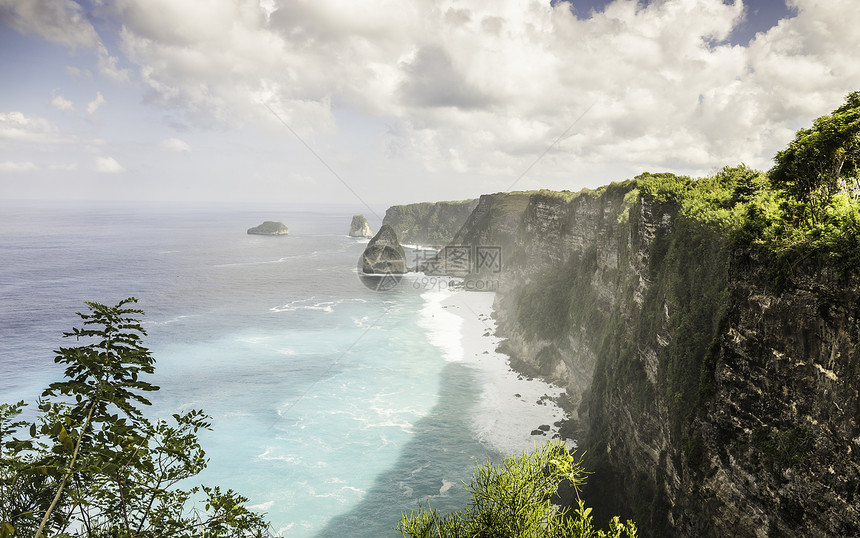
[[360, 227], [383, 254], [269, 227]]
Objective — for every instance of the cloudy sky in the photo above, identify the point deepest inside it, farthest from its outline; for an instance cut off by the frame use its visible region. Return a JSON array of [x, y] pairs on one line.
[[392, 101]]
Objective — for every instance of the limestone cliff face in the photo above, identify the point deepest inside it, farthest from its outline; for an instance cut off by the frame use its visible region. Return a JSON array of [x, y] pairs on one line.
[[428, 223], [709, 403], [776, 450], [554, 245]]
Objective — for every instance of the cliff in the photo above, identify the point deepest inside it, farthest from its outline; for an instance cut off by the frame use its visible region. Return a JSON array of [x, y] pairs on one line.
[[710, 403], [428, 223]]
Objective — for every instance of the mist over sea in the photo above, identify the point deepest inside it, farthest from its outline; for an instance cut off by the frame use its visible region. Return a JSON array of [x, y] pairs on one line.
[[334, 407]]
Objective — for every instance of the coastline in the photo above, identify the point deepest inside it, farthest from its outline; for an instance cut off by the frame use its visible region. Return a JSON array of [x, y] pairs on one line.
[[514, 412]]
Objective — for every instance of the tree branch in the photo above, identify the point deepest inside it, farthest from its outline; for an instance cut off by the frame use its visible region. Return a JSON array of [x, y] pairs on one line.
[[67, 475]]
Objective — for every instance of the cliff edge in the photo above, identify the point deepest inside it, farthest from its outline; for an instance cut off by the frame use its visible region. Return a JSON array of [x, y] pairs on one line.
[[710, 401]]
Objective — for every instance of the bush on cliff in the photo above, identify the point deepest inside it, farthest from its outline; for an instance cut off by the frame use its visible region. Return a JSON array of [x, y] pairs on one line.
[[807, 207], [515, 500], [822, 162]]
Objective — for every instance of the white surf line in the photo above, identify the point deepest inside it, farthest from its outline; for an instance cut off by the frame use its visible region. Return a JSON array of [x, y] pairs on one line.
[[510, 407]]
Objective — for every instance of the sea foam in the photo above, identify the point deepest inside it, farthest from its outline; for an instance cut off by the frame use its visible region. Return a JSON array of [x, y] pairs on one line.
[[510, 406], [443, 328]]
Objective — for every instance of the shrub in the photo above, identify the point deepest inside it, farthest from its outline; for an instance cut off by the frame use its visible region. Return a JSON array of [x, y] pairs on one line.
[[515, 500]]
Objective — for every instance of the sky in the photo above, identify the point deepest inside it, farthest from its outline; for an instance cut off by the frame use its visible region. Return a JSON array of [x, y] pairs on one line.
[[381, 102]]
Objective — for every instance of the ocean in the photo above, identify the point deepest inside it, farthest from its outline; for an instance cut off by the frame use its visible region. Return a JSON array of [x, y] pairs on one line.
[[334, 407]]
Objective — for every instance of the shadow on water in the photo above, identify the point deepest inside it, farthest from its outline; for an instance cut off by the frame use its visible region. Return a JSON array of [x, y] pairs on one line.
[[443, 448]]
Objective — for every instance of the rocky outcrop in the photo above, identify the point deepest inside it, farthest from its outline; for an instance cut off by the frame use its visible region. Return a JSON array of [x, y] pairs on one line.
[[428, 223], [360, 227], [709, 403], [383, 254], [269, 228]]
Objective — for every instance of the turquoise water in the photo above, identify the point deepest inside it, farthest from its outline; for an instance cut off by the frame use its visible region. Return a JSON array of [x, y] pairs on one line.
[[332, 411]]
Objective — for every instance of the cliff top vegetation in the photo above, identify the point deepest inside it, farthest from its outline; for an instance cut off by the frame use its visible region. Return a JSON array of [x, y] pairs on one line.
[[807, 207]]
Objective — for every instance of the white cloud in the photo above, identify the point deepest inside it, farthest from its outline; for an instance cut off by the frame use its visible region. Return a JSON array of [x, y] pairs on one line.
[[108, 66], [17, 126], [268, 7], [73, 71], [59, 102], [94, 105], [491, 83], [64, 166], [108, 165], [175, 144], [60, 21], [10, 166], [473, 86]]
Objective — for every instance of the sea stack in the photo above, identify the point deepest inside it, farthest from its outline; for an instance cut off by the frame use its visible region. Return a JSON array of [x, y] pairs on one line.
[[269, 227], [383, 254], [360, 227]]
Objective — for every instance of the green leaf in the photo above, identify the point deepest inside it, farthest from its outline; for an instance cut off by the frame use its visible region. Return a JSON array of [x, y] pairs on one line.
[[67, 442]]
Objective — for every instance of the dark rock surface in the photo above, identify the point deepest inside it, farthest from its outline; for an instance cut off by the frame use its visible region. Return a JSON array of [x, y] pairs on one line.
[[383, 254]]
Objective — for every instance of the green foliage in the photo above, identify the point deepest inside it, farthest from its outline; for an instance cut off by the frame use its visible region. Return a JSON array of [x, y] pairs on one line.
[[22, 485], [692, 284], [822, 160], [94, 465], [631, 198], [663, 187], [547, 193], [515, 500], [810, 207], [747, 207], [718, 201]]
